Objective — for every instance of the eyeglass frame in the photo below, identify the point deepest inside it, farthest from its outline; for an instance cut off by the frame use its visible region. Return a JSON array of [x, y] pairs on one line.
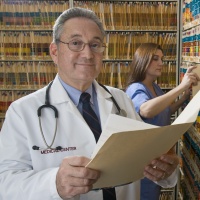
[[104, 45]]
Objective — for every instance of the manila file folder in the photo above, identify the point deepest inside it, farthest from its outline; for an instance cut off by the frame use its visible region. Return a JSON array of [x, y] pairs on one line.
[[196, 88], [126, 146]]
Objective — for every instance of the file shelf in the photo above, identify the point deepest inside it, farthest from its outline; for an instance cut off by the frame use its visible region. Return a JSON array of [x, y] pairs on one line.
[[26, 66], [189, 186]]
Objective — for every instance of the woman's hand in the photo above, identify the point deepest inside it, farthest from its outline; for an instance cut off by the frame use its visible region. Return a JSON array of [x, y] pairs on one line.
[[190, 78]]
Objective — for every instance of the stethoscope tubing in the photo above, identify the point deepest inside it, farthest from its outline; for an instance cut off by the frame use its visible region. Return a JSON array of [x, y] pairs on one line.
[[48, 105], [54, 136]]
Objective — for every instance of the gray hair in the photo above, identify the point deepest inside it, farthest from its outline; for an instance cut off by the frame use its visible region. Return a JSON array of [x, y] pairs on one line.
[[74, 13]]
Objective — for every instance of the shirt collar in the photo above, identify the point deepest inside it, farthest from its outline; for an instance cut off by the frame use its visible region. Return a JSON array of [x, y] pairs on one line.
[[75, 94]]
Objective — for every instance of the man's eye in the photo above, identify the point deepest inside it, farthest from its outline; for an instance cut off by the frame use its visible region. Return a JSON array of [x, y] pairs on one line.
[[95, 45], [76, 43]]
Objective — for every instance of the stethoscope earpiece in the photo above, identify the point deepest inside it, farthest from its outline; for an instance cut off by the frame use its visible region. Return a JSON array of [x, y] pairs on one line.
[[59, 148], [35, 147]]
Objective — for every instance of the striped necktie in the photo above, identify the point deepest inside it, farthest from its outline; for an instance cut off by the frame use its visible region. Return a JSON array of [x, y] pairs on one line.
[[90, 116], [93, 122]]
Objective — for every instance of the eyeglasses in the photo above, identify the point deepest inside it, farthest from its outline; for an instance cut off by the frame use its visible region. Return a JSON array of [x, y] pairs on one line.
[[79, 45]]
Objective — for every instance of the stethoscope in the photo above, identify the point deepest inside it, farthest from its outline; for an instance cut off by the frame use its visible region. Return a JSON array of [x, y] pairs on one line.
[[47, 104]]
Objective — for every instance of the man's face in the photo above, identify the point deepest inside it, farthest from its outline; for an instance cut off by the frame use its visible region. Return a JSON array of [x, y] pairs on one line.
[[78, 69]]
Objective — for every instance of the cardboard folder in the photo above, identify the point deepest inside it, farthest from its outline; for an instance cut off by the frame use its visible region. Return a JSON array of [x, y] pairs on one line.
[[126, 146], [196, 88]]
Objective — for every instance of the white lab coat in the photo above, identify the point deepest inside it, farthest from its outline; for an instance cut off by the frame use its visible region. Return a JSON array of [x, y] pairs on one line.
[[27, 174]]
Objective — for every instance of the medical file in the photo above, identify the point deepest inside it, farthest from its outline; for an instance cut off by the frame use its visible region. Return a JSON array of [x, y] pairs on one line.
[[126, 146]]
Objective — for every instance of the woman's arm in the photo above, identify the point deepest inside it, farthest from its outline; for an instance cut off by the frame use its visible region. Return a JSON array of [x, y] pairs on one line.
[[154, 106]]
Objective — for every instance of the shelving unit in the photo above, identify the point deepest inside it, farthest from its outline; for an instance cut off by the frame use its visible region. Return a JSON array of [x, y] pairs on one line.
[[25, 35], [26, 32], [190, 154], [25, 38], [189, 186], [130, 23], [26, 66]]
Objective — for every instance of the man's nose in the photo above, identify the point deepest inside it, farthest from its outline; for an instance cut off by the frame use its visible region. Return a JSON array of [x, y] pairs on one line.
[[87, 51]]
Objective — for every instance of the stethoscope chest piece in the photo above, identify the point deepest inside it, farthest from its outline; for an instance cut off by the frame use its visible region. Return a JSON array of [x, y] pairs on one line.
[[122, 113]]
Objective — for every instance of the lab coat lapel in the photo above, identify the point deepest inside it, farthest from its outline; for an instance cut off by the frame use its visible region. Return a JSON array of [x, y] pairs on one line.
[[58, 96]]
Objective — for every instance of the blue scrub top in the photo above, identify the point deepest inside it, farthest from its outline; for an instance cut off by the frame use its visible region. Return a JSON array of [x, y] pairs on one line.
[[139, 94]]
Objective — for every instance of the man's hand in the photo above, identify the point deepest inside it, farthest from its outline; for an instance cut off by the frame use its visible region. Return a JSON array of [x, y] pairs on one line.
[[73, 178], [161, 168]]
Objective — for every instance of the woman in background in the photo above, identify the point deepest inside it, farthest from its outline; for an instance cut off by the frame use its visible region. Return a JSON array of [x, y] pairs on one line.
[[150, 102]]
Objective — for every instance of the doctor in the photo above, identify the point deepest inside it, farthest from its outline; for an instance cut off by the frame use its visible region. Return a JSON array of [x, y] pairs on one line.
[[45, 160]]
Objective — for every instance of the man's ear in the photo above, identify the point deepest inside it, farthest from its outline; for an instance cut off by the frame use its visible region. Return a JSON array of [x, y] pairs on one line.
[[53, 49]]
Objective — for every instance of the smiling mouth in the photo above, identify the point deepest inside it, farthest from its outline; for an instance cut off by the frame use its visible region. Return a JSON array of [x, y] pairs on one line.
[[86, 64]]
